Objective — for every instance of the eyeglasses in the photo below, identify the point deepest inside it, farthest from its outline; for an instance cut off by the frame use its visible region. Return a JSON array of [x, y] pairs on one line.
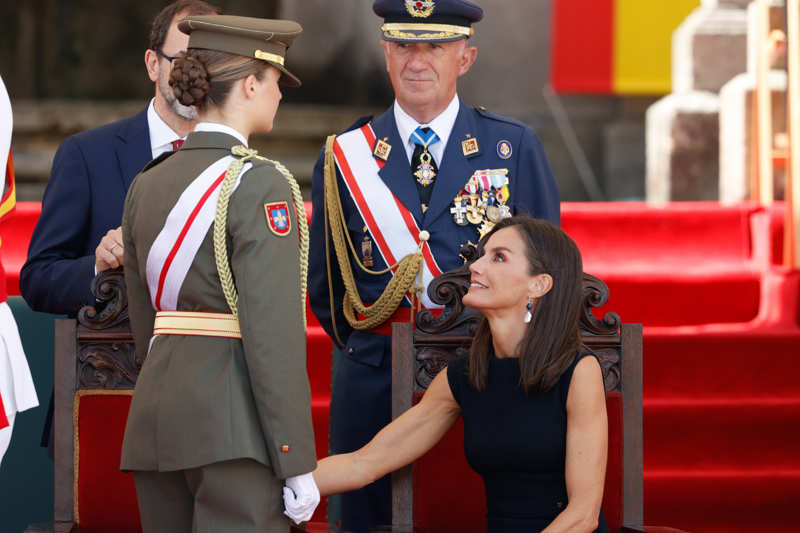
[[165, 56]]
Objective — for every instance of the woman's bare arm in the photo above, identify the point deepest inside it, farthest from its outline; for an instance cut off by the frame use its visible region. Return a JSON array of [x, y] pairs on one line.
[[587, 450], [404, 440]]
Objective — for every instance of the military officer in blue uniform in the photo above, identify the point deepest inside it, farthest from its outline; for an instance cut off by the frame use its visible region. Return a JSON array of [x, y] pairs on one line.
[[407, 189]]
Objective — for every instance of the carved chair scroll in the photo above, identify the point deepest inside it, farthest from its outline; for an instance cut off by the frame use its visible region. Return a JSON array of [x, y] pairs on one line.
[[96, 367], [419, 354]]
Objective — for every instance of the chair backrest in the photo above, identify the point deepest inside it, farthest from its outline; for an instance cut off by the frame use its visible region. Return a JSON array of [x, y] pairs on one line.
[[96, 367], [425, 494]]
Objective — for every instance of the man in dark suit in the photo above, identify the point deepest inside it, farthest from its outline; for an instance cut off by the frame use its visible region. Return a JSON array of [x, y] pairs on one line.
[[422, 179], [78, 233]]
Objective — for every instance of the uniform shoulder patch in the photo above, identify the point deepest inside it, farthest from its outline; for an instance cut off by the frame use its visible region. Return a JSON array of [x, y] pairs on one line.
[[500, 118], [278, 219], [358, 123], [160, 159]]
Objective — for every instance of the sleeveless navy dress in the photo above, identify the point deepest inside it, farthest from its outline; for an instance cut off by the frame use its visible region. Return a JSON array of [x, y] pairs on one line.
[[517, 443]]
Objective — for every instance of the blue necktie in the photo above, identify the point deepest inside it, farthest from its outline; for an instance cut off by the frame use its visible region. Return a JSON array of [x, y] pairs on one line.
[[423, 167], [424, 137]]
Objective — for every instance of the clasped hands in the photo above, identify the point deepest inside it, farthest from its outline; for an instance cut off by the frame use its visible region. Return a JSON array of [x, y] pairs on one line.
[[301, 497], [109, 252]]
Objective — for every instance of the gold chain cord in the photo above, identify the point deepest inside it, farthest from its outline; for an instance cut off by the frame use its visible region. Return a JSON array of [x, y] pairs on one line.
[[220, 224], [407, 272]]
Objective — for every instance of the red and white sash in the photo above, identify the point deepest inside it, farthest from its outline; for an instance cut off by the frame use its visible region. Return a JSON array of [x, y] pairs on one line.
[[187, 224], [391, 225]]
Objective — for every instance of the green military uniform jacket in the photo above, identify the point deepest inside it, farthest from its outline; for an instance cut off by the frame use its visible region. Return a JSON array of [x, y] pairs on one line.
[[201, 400]]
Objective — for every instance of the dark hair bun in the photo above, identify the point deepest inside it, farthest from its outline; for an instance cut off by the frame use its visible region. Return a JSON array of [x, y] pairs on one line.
[[189, 79]]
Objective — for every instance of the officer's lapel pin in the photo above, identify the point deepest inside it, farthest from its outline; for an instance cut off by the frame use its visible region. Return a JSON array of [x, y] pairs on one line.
[[470, 146], [382, 149], [366, 250], [504, 150]]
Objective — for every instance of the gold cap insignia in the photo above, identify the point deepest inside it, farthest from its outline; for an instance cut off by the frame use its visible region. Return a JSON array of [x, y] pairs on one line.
[[419, 8]]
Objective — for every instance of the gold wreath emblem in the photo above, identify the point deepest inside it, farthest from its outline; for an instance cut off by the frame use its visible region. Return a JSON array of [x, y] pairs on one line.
[[420, 8]]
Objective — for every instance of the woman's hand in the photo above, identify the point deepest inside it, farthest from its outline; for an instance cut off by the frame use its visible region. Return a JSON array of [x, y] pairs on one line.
[[301, 497], [403, 441]]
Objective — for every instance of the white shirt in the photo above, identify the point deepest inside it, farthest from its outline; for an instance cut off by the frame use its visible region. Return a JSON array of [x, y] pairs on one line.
[[442, 125], [161, 135], [220, 128]]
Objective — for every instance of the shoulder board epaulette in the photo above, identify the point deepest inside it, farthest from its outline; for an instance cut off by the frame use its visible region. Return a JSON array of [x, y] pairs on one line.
[[500, 118], [358, 123], [160, 159]]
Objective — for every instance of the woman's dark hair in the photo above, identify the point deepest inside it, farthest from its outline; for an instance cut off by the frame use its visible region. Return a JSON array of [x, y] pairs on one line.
[[201, 77], [552, 338]]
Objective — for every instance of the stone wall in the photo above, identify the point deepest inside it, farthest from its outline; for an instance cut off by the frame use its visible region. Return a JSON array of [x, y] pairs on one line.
[[70, 65]]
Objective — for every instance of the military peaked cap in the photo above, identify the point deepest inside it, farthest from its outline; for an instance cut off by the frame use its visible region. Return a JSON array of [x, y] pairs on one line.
[[246, 36], [427, 20]]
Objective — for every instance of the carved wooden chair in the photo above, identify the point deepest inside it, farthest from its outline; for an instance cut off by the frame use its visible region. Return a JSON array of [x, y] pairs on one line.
[[440, 492], [95, 371]]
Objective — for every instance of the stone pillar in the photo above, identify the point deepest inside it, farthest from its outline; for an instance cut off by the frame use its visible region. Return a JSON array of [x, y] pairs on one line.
[[709, 48], [682, 147], [736, 163], [682, 130]]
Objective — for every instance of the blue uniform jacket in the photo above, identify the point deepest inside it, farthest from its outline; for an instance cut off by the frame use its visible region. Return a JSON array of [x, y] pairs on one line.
[[91, 173], [533, 191]]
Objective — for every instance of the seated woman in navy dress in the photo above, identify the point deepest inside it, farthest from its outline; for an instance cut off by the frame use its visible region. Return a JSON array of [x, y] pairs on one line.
[[533, 403]]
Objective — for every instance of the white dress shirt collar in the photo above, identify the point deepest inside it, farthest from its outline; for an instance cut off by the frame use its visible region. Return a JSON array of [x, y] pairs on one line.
[[161, 135], [220, 128], [442, 125]]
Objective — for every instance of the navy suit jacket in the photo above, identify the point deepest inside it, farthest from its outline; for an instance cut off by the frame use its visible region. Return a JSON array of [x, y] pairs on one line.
[[84, 198], [533, 191]]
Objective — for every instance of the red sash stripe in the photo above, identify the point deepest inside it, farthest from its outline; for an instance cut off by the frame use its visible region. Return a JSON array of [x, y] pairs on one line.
[[181, 236], [347, 173], [366, 129]]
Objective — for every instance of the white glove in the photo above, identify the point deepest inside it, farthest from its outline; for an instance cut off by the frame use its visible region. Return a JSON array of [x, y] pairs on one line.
[[301, 497]]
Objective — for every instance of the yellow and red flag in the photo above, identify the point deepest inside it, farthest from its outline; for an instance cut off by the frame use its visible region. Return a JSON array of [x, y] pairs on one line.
[[10, 197], [615, 46]]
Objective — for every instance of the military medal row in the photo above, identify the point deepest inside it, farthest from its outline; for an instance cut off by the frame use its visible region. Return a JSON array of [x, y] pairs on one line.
[[483, 200]]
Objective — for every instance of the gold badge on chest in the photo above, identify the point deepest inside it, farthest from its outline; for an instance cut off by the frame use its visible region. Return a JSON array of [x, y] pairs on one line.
[[470, 146], [382, 149]]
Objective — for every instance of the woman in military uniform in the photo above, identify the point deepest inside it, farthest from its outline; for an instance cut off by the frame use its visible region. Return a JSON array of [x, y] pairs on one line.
[[216, 286]]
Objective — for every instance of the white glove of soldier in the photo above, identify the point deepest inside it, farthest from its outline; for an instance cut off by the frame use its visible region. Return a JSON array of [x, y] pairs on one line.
[[301, 497]]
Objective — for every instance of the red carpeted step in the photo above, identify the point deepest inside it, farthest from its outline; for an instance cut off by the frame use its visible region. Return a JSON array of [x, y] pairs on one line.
[[656, 299], [686, 263], [690, 234], [723, 501], [727, 362], [723, 433]]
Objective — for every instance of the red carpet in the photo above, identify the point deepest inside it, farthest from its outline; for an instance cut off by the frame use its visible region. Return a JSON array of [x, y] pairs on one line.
[[721, 352]]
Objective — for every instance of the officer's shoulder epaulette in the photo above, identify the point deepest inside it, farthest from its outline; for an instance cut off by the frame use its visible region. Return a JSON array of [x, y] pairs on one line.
[[160, 159], [358, 123], [499, 118]]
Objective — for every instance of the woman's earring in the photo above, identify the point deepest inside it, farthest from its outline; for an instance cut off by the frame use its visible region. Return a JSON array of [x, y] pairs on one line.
[[528, 315]]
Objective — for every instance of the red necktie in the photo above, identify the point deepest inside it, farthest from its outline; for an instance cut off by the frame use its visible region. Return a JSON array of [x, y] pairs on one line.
[[176, 145]]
